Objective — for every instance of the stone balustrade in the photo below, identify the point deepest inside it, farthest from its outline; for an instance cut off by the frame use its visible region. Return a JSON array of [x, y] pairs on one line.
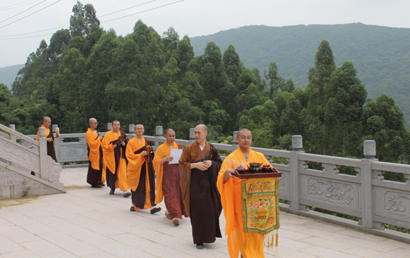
[[310, 182], [25, 167]]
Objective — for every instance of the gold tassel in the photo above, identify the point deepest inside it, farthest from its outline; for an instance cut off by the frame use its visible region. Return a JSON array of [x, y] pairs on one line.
[[268, 239]]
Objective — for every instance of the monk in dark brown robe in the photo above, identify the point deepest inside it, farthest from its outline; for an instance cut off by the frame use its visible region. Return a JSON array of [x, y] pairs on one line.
[[50, 137], [199, 167]]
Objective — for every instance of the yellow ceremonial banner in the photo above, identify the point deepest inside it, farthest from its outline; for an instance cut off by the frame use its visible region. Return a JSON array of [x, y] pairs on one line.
[[260, 207]]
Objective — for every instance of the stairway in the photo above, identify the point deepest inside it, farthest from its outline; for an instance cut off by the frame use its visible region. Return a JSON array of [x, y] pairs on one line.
[[25, 167]]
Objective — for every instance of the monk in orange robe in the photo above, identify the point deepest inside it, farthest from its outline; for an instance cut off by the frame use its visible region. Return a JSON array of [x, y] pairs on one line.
[[168, 178], [229, 186], [95, 157], [50, 137], [140, 172], [115, 164], [199, 166]]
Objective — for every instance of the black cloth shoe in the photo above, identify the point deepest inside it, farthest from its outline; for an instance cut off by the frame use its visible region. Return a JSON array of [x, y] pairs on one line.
[[132, 209], [155, 210], [200, 246], [112, 191], [127, 194]]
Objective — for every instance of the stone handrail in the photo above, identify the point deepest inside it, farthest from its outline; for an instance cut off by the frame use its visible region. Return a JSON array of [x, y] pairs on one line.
[[25, 165], [367, 195]]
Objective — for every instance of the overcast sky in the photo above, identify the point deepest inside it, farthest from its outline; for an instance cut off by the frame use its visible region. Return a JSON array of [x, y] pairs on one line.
[[18, 38]]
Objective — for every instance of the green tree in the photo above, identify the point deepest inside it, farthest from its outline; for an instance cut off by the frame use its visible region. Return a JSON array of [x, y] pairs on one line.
[[5, 96], [275, 82], [383, 121], [232, 64], [71, 79], [343, 111], [319, 77], [99, 75]]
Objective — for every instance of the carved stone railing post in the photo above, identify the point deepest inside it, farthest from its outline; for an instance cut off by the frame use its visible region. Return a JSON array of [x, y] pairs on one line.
[[57, 141], [12, 127], [159, 132], [131, 128], [43, 150], [191, 135], [54, 127], [234, 137], [131, 131], [297, 146], [369, 152]]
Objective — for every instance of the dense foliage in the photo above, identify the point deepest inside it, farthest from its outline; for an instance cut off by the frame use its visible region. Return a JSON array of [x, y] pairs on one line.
[[381, 54], [147, 78]]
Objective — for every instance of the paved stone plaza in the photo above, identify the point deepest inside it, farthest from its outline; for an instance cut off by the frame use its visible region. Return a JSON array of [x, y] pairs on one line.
[[87, 222]]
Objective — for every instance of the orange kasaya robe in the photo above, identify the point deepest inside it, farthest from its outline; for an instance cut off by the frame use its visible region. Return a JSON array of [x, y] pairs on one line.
[[250, 245], [50, 145], [140, 175], [164, 150], [111, 157], [94, 151]]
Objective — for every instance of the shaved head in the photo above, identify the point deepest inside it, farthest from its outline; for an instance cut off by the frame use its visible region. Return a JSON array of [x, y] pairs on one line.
[[139, 130], [170, 135], [202, 127], [201, 131], [244, 139], [92, 123], [116, 125], [46, 118], [244, 130], [169, 130]]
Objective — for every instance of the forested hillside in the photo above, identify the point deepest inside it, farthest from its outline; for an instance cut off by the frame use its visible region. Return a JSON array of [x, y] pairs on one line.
[[381, 55], [8, 74], [154, 79]]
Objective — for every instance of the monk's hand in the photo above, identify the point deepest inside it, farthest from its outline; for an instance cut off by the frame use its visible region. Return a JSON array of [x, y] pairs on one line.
[[144, 153], [49, 139], [199, 165], [229, 172], [207, 163], [114, 145], [122, 143], [167, 159]]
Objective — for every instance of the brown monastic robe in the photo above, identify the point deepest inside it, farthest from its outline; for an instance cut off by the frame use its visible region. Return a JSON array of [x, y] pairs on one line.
[[200, 196]]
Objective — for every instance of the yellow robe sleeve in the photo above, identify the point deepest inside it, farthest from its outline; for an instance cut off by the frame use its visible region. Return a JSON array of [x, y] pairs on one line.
[[108, 151], [94, 144], [135, 162], [228, 191], [162, 152]]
